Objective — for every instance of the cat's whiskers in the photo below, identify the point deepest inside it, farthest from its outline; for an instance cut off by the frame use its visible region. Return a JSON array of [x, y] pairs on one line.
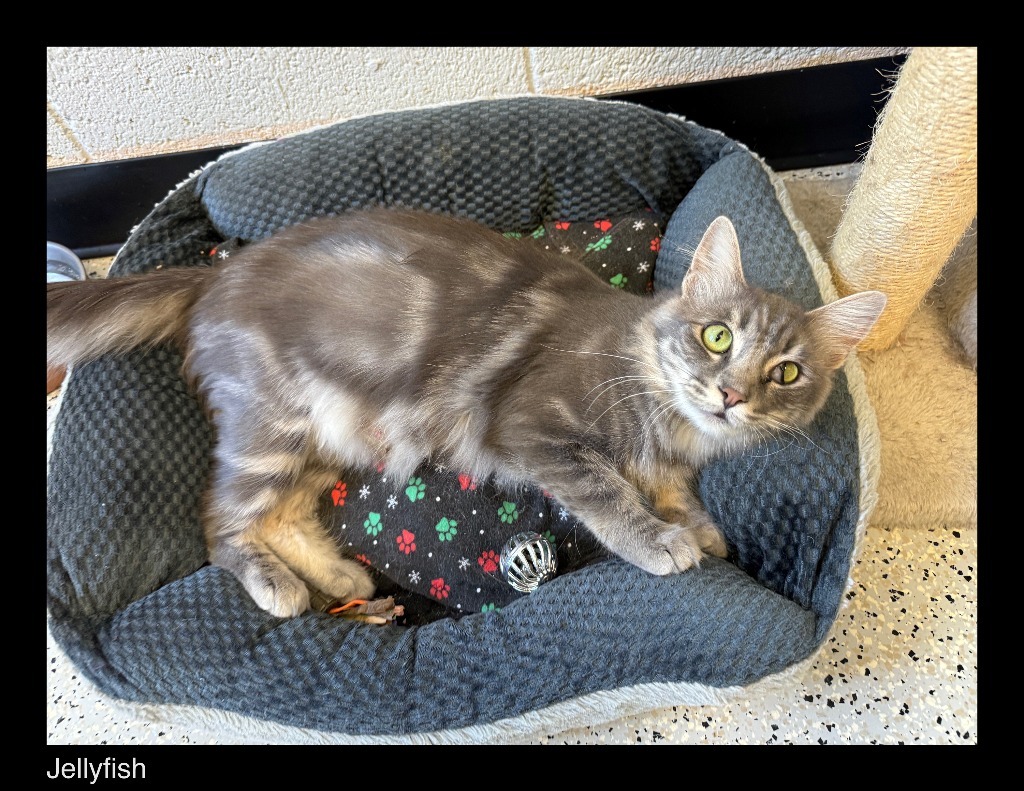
[[761, 440], [605, 354], [612, 379], [651, 420], [794, 432], [765, 438], [625, 380], [568, 536], [765, 465], [632, 395]]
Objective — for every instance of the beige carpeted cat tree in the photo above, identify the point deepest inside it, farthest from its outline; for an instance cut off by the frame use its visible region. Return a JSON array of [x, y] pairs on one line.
[[907, 230], [916, 196]]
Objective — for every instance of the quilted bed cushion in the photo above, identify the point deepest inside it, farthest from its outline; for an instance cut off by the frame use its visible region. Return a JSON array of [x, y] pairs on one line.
[[133, 602]]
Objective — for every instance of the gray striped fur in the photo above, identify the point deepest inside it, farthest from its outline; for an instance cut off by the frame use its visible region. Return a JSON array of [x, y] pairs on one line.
[[390, 336]]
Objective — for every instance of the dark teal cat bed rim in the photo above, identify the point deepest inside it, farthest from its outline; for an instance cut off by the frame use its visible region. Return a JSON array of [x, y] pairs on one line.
[[133, 604]]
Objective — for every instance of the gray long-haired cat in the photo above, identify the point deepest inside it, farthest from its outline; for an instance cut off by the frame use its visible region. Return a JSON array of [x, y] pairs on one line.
[[394, 336]]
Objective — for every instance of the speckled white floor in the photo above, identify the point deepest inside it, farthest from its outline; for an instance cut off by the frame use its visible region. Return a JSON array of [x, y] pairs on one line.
[[899, 665]]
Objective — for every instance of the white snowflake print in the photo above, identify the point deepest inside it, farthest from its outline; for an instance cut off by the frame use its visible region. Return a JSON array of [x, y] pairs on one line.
[[364, 492], [563, 514], [463, 563], [414, 577], [439, 467], [642, 267], [565, 249], [638, 225], [392, 502], [223, 254]]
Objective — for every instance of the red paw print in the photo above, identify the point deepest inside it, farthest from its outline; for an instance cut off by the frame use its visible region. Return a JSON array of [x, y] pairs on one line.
[[656, 244], [406, 542], [562, 225], [467, 481], [603, 225], [489, 560], [439, 589], [363, 559], [339, 493]]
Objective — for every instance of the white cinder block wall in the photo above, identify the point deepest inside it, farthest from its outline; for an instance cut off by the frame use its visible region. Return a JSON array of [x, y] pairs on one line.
[[107, 103]]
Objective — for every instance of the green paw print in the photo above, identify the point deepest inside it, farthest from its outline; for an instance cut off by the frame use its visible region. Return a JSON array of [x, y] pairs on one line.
[[372, 524], [416, 490], [538, 233], [512, 235], [619, 281], [550, 537], [600, 244], [446, 528], [490, 608], [508, 512]]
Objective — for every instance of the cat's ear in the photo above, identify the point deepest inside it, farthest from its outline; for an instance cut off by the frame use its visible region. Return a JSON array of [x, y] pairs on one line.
[[841, 325], [716, 268]]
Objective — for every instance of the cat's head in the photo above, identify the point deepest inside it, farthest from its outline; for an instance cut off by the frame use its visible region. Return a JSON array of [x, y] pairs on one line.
[[742, 362]]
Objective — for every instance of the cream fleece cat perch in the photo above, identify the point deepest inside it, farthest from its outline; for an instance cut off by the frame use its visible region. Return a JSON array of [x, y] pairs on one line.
[[918, 191]]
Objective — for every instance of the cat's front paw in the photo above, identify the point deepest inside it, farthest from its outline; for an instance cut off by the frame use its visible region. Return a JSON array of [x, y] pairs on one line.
[[687, 545], [682, 545], [671, 550], [676, 548]]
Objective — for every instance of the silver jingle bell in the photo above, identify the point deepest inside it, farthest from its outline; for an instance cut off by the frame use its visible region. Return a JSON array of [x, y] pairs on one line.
[[527, 560]]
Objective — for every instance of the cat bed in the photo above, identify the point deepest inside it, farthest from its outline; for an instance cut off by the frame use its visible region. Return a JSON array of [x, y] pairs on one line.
[[135, 605]]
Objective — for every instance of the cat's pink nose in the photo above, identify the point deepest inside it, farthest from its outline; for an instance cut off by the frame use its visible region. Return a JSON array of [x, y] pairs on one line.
[[731, 397]]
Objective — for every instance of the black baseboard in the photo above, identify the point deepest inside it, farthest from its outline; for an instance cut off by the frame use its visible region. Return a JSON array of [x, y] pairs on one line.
[[802, 118], [811, 117]]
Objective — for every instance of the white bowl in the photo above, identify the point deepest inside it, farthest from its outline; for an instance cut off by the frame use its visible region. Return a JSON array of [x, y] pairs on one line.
[[62, 264]]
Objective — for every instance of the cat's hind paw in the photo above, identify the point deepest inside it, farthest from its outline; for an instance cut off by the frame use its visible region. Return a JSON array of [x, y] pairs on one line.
[[349, 579], [711, 540], [280, 593]]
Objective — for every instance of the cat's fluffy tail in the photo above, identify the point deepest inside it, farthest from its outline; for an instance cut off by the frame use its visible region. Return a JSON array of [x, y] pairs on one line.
[[93, 317]]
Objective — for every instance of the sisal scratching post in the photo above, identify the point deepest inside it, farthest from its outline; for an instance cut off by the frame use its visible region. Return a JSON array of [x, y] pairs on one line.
[[917, 193]]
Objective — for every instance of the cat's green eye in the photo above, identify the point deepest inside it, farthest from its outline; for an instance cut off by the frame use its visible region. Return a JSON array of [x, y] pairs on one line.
[[785, 373], [717, 337]]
